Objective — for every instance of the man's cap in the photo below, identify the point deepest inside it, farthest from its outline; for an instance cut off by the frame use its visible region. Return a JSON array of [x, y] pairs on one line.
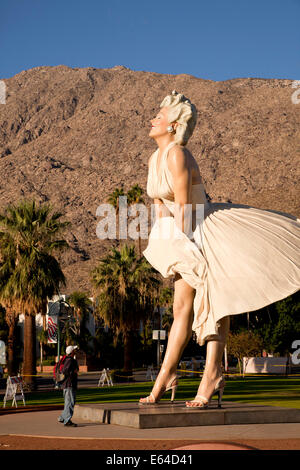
[[70, 349]]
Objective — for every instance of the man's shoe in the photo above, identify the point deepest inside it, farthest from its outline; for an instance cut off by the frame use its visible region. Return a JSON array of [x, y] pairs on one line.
[[70, 423]]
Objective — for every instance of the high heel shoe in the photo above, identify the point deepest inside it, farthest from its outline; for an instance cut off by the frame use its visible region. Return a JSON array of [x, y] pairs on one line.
[[172, 385], [204, 402]]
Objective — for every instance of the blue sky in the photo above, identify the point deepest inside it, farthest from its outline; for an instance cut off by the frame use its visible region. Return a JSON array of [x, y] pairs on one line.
[[211, 39]]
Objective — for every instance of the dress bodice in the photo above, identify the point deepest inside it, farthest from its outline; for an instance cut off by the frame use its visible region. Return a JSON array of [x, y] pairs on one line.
[[160, 183]]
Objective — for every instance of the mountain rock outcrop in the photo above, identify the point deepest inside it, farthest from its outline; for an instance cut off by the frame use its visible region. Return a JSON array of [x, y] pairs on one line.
[[70, 136]]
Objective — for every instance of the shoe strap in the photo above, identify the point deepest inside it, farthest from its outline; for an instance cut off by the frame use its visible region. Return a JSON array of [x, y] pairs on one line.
[[203, 399], [151, 395], [169, 385]]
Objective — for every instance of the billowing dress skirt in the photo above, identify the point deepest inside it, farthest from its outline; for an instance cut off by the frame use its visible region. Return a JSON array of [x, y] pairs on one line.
[[239, 259]]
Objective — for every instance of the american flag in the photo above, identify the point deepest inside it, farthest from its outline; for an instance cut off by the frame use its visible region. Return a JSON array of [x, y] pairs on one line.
[[52, 329]]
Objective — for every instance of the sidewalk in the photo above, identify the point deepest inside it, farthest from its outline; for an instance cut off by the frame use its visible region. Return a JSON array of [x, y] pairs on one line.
[[40, 430]]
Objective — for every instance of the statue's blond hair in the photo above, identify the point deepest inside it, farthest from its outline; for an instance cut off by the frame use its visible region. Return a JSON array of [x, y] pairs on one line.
[[181, 110]]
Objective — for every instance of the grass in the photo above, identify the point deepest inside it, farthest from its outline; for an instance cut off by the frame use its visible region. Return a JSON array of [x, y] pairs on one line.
[[274, 391]]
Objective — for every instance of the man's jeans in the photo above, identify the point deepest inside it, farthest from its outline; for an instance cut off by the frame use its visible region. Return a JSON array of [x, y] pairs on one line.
[[69, 398]]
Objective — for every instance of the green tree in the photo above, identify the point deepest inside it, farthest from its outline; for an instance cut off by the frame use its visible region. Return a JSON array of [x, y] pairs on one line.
[[166, 299], [7, 266], [134, 196], [37, 274], [244, 344], [3, 325], [279, 324], [125, 288], [114, 200], [81, 303]]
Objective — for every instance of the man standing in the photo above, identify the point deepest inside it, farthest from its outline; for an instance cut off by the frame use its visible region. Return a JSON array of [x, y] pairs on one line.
[[69, 386]]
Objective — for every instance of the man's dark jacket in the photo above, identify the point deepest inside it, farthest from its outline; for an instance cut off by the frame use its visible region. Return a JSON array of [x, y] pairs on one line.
[[70, 369]]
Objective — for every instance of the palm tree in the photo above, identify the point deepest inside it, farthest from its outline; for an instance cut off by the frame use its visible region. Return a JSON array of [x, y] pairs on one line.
[[36, 274], [125, 289], [134, 196], [7, 266], [113, 199], [81, 304]]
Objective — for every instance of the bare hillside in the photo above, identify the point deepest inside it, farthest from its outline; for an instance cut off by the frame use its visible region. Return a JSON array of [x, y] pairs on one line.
[[72, 135]]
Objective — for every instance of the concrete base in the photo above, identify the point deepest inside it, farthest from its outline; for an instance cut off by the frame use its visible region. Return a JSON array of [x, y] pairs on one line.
[[165, 415]]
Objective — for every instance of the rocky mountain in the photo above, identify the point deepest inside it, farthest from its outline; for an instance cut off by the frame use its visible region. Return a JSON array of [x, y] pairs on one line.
[[70, 136]]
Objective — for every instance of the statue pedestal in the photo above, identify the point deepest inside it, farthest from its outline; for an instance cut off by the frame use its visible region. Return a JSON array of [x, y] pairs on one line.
[[164, 415]]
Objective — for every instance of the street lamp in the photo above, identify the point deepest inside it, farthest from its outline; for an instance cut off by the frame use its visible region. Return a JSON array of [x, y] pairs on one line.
[[58, 303], [61, 301], [52, 307], [158, 335]]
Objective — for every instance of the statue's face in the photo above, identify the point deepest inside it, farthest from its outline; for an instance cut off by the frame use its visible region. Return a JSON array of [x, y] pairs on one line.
[[160, 123]]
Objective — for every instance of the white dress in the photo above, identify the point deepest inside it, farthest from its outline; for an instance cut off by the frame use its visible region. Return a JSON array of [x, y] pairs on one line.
[[240, 258]]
